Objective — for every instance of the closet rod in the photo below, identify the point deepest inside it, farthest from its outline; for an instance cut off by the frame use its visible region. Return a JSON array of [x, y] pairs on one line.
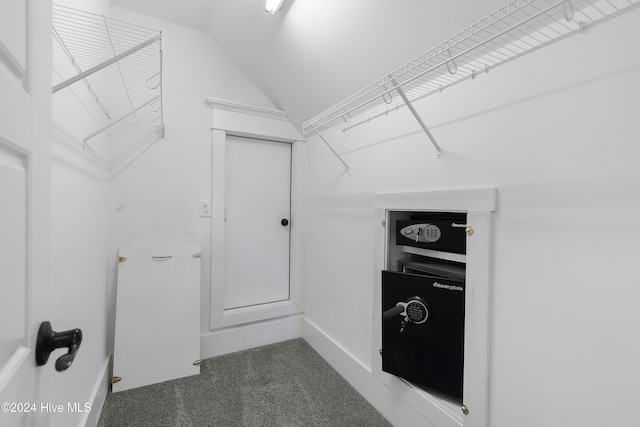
[[106, 63], [75, 65]]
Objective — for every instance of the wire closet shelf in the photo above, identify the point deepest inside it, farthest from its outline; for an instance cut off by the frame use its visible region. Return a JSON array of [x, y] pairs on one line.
[[120, 64], [517, 28]]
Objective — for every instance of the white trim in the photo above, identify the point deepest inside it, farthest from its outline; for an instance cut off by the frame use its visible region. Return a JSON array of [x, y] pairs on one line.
[[479, 199], [216, 307], [296, 290], [12, 365], [254, 313], [391, 405], [219, 317], [97, 397], [479, 205], [231, 118], [243, 337], [253, 110], [12, 63], [251, 121]]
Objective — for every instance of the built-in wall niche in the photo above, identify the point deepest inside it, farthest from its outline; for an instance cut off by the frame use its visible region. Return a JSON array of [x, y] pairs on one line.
[[476, 207]]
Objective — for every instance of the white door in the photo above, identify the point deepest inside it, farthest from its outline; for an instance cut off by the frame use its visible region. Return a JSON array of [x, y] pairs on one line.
[[25, 99], [258, 205]]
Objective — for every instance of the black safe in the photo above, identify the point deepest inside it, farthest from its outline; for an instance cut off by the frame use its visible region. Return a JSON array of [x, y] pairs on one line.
[[423, 305], [439, 231]]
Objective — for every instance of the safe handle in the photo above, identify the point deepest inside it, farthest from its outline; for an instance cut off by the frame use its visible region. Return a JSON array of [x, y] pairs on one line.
[[393, 312], [48, 340]]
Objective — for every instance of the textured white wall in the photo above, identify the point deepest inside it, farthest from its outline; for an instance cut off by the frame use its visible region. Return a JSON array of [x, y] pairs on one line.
[[128, 188], [557, 133], [156, 188], [79, 269]]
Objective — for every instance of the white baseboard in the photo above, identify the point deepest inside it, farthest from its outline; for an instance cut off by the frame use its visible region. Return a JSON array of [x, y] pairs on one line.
[[98, 396], [244, 337], [394, 409]]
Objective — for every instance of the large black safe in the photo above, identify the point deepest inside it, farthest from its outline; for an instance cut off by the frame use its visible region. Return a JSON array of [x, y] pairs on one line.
[[427, 350], [423, 302]]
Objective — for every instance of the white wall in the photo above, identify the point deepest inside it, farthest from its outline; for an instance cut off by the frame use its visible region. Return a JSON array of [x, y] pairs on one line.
[[127, 188], [79, 194], [156, 188], [557, 133]]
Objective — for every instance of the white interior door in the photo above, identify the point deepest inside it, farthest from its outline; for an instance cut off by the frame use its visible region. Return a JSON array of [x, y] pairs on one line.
[[25, 88], [257, 237]]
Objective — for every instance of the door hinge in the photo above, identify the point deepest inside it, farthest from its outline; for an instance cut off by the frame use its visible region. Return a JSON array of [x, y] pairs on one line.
[[122, 259]]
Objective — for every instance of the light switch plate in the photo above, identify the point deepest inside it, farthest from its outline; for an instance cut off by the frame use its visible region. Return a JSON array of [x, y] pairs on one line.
[[205, 208]]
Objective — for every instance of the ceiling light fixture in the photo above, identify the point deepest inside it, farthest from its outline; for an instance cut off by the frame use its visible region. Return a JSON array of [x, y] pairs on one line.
[[272, 6]]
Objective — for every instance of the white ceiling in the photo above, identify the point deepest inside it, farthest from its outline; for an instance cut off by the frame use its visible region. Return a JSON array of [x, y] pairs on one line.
[[314, 53]]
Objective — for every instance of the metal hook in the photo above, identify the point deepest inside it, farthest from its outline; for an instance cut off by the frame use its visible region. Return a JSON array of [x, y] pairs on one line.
[[346, 117], [452, 61], [385, 94], [567, 10], [156, 86], [154, 102]]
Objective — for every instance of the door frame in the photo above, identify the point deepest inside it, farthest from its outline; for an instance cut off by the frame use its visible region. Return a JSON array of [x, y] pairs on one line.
[[235, 119]]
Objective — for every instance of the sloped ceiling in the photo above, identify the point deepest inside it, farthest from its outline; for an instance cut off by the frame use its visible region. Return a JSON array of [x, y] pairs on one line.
[[314, 53]]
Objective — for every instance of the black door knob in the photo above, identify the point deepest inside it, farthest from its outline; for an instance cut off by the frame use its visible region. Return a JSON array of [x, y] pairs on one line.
[[284, 222], [48, 340]]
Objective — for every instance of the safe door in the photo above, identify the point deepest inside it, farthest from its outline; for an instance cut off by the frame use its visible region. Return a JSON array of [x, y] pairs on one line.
[[423, 331]]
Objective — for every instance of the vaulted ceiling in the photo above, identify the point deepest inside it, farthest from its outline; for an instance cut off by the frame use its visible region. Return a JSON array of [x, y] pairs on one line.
[[314, 53]]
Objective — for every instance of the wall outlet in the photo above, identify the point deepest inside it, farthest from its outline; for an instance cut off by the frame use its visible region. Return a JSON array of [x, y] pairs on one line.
[[205, 208]]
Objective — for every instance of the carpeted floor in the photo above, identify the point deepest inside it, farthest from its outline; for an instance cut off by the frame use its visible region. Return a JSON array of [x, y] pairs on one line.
[[284, 384]]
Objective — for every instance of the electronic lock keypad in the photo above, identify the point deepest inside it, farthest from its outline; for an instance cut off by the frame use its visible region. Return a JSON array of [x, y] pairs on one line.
[[436, 231]]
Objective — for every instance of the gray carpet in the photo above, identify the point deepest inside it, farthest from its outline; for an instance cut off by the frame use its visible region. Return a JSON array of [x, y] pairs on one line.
[[284, 384]]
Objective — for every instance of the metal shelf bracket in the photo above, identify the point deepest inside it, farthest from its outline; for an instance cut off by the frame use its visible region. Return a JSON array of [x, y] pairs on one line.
[[418, 118], [348, 170]]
